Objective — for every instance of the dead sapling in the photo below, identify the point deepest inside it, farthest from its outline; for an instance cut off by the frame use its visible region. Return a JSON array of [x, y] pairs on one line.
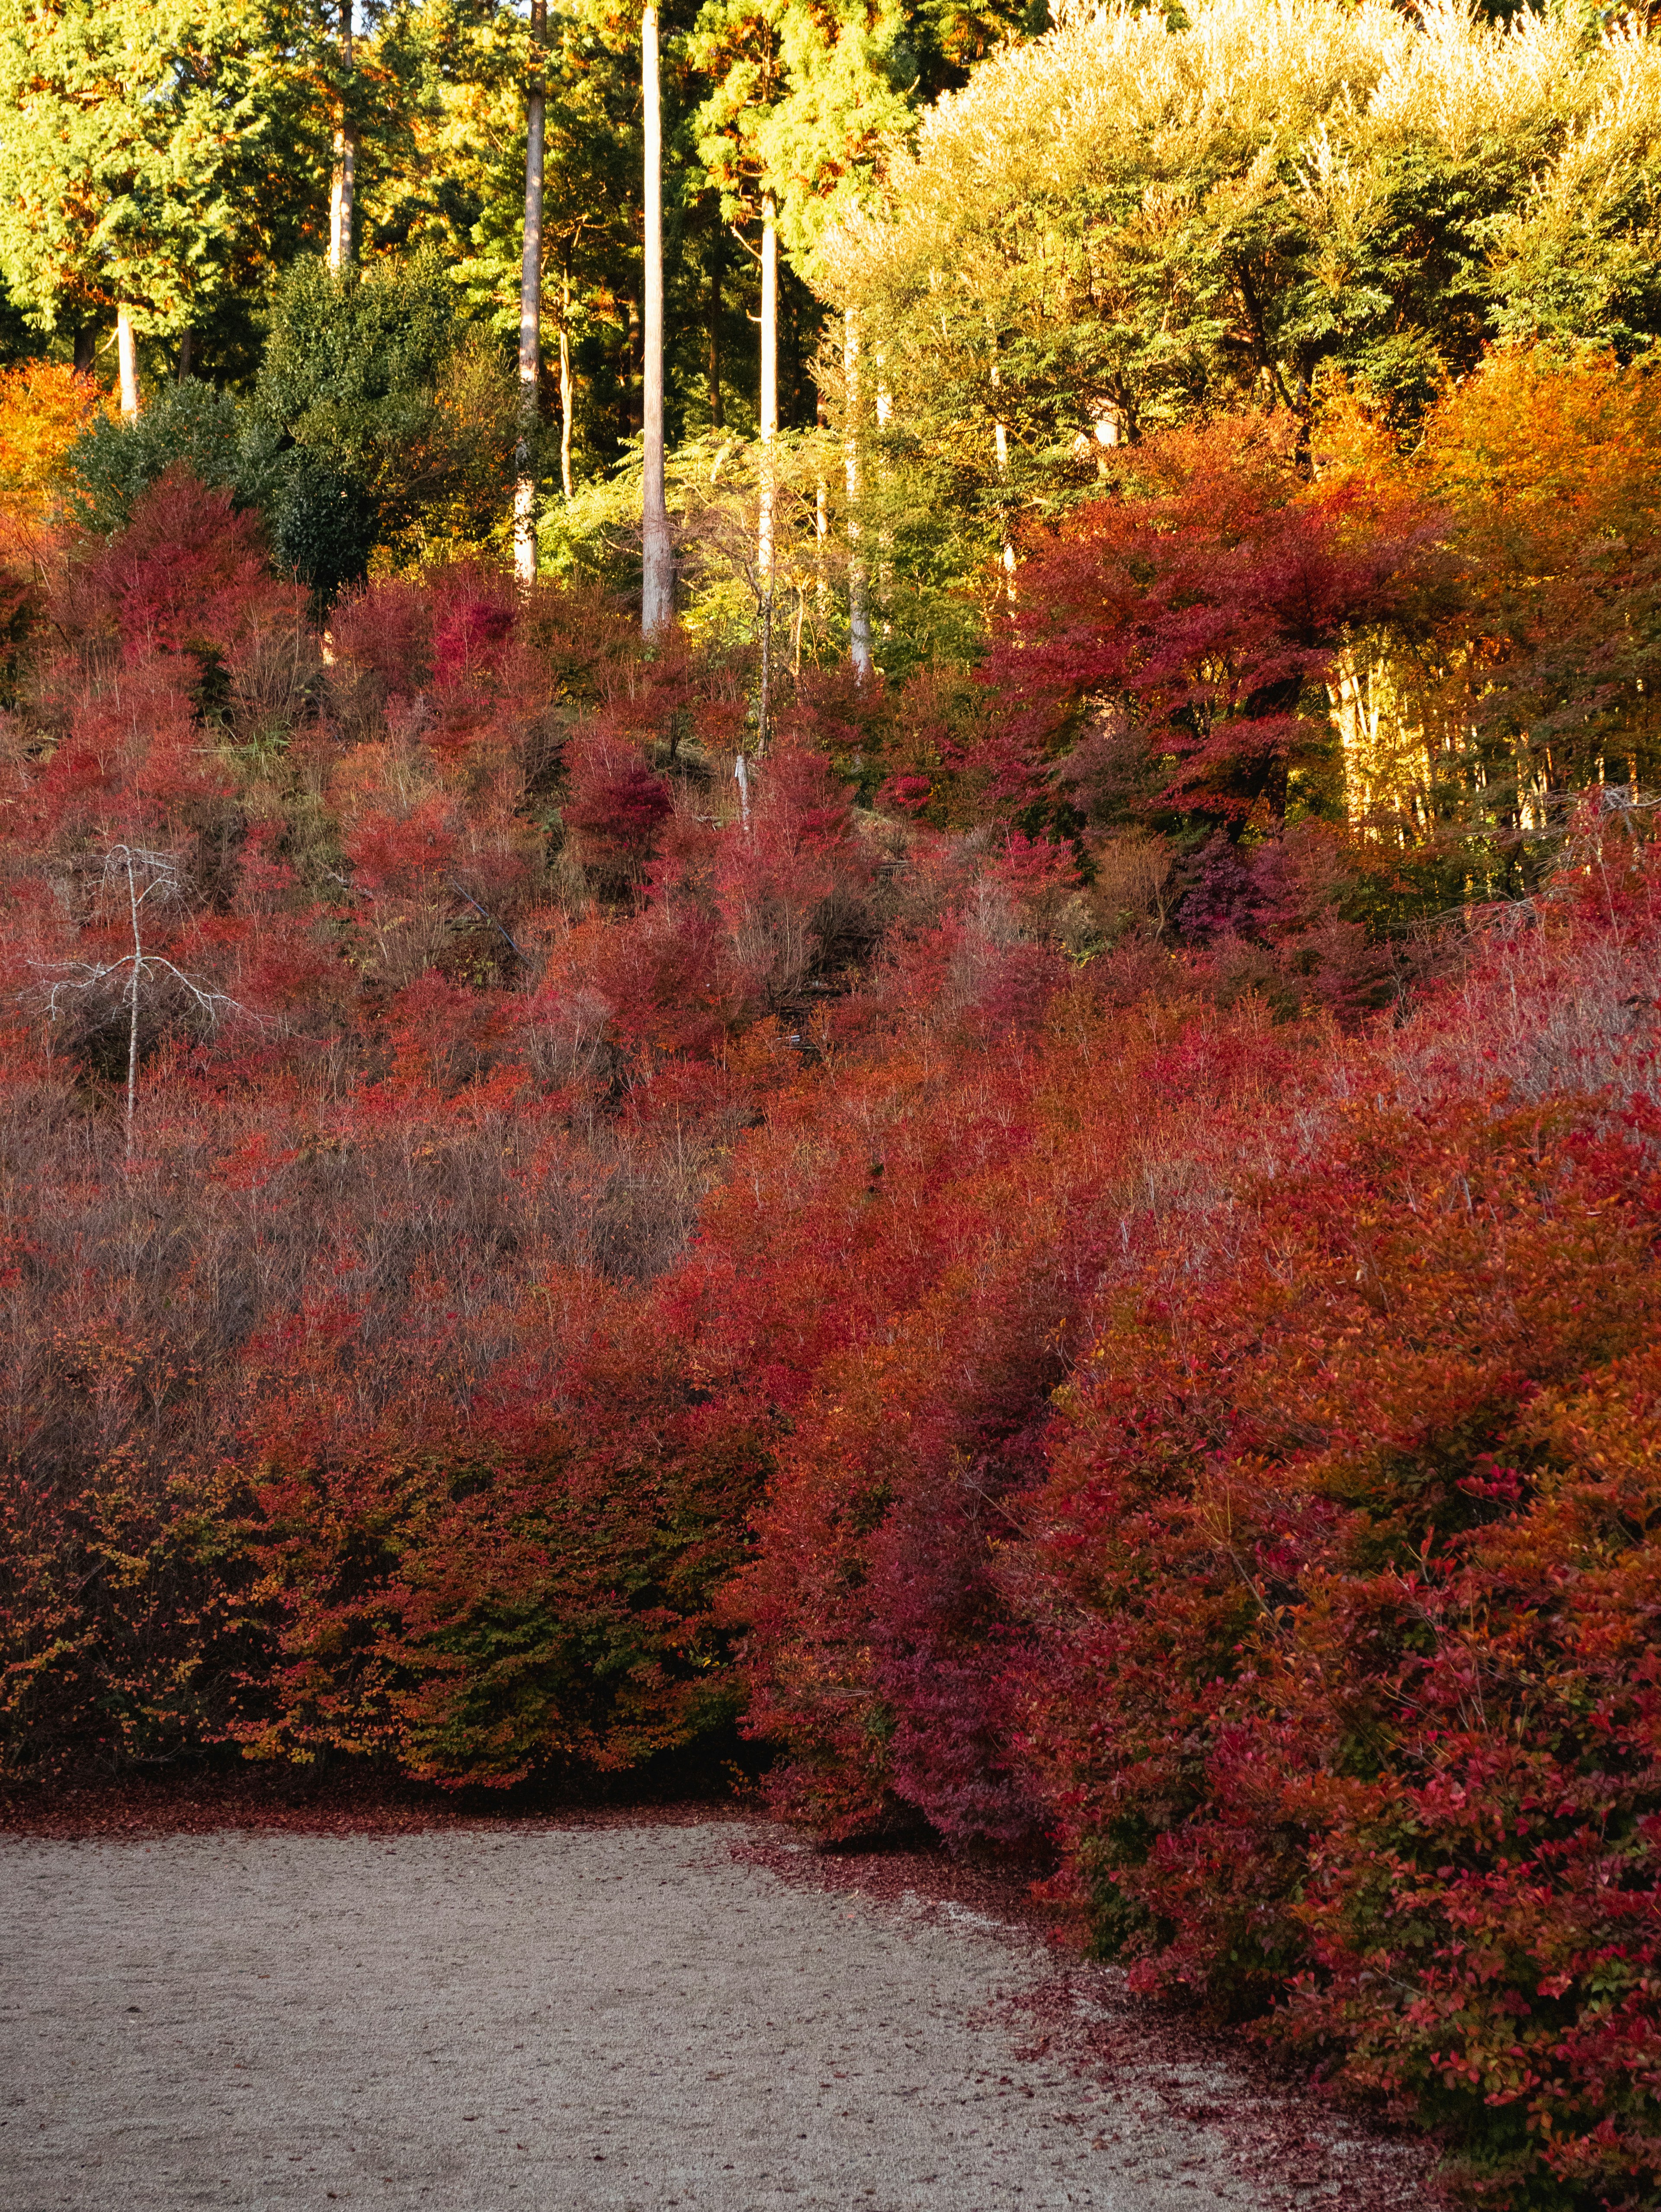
[[144, 881]]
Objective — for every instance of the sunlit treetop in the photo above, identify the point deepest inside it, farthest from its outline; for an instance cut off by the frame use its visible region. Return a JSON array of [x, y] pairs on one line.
[[162, 150]]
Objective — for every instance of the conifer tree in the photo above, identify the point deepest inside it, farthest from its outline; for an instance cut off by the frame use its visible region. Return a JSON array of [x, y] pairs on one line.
[[154, 150]]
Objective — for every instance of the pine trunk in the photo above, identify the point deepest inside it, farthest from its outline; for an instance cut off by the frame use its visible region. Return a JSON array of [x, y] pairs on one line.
[[567, 389], [530, 307], [342, 190], [127, 353], [657, 592], [859, 612]]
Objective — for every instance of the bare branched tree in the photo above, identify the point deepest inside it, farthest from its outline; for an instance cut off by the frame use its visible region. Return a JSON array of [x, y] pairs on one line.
[[142, 879]]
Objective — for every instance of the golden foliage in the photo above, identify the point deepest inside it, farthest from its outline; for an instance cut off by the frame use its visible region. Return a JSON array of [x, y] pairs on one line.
[[44, 408]]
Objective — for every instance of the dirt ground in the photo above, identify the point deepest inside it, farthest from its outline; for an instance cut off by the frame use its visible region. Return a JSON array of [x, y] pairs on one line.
[[561, 2018]]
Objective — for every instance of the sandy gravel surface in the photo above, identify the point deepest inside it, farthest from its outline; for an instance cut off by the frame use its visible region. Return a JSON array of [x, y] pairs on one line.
[[556, 2018]]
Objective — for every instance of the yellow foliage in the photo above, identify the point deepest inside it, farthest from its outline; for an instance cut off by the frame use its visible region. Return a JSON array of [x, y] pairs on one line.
[[1333, 83], [44, 408], [1530, 666], [1568, 447]]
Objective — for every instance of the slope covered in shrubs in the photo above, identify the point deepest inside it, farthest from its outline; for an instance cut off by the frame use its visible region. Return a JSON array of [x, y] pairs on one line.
[[1014, 1266]]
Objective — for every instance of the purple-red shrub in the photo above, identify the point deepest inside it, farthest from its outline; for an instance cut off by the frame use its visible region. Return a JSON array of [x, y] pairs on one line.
[[188, 575], [1329, 1689]]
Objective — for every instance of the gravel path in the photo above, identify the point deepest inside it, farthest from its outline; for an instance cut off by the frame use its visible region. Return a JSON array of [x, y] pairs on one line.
[[552, 2018]]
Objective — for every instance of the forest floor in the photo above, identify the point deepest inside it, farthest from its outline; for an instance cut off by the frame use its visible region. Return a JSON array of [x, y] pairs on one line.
[[639, 2011]]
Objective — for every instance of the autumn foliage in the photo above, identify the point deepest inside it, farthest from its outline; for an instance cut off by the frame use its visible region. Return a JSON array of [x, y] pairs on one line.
[[1010, 1277], [44, 408]]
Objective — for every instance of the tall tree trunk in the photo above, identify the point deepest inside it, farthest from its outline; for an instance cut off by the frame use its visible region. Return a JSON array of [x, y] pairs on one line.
[[712, 366], [342, 188], [127, 353], [859, 613], [86, 349], [821, 526], [1001, 449], [657, 568], [530, 307], [186, 348], [767, 502], [567, 389], [770, 389]]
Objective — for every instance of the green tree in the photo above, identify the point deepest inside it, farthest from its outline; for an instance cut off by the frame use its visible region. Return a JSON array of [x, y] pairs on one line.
[[189, 423], [391, 385], [1135, 220], [159, 157]]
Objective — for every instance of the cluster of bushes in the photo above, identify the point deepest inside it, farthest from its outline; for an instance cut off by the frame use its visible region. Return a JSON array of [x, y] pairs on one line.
[[382, 420], [989, 1255], [1253, 1492]]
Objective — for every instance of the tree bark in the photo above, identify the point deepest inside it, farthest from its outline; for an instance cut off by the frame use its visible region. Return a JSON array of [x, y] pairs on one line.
[[859, 612], [530, 306], [186, 348], [767, 502], [769, 389], [86, 349], [568, 391], [657, 572], [126, 352], [343, 189], [712, 366]]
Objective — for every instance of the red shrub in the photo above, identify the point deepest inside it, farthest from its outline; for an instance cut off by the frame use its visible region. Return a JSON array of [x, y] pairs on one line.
[[469, 632], [1328, 1690], [1205, 604], [1130, 1400], [187, 575], [385, 631], [615, 812], [944, 1236], [790, 887]]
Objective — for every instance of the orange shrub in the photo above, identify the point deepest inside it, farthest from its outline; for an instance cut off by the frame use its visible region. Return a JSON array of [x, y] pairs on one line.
[[44, 408]]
